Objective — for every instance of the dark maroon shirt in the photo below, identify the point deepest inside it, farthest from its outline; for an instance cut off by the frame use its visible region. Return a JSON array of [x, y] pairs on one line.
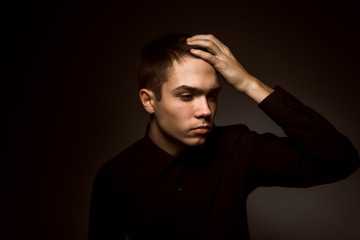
[[149, 194]]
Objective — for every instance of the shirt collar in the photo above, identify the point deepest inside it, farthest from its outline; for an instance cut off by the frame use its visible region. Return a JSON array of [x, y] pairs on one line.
[[157, 158], [160, 160]]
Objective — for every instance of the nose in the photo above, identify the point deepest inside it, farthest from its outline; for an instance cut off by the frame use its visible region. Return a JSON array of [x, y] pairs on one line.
[[202, 108]]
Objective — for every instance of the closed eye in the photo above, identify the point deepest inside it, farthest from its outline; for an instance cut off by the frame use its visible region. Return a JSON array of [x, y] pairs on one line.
[[186, 97], [212, 97]]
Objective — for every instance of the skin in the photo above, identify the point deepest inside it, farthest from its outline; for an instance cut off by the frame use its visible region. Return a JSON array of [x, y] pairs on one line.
[[221, 58], [185, 114]]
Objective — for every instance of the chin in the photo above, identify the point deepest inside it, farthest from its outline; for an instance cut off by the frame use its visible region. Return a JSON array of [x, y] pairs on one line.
[[196, 142]]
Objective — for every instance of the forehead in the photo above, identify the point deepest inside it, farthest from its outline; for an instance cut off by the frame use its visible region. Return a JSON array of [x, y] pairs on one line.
[[192, 72]]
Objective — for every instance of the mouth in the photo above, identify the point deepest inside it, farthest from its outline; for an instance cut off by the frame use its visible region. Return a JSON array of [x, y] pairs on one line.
[[201, 130]]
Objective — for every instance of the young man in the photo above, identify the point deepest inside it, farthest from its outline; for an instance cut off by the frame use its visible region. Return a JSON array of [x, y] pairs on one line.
[[187, 179]]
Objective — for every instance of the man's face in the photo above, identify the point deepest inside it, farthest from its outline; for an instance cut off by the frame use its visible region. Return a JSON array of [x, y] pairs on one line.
[[184, 116]]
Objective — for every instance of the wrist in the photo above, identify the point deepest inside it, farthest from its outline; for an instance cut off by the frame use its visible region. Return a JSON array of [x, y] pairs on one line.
[[257, 90]]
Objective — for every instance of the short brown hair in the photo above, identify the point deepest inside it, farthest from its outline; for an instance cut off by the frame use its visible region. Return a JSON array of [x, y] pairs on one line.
[[157, 57]]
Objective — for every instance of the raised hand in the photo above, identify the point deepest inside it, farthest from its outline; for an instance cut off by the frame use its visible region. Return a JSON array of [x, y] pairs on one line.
[[227, 65]]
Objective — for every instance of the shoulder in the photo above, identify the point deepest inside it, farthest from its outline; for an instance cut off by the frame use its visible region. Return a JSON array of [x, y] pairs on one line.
[[231, 132], [238, 128], [238, 137], [225, 137], [117, 166]]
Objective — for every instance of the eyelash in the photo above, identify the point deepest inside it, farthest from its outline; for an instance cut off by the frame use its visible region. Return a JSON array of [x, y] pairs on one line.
[[186, 97], [189, 97]]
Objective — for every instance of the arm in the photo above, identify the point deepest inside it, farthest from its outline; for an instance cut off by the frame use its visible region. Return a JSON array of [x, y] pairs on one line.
[[231, 70], [105, 217], [314, 151]]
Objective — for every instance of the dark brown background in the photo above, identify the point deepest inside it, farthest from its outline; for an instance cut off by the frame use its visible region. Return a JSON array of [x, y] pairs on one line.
[[69, 102]]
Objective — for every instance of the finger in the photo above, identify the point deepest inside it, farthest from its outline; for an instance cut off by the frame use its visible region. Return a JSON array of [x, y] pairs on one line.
[[209, 37], [202, 36], [209, 45], [210, 58]]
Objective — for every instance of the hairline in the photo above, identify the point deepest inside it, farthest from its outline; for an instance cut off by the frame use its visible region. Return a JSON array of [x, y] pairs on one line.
[[169, 69]]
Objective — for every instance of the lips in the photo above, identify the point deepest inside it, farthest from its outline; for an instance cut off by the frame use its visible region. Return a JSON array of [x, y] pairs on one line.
[[201, 130]]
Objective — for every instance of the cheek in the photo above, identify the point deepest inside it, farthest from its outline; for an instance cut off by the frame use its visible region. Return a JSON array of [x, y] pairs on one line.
[[182, 112], [175, 110]]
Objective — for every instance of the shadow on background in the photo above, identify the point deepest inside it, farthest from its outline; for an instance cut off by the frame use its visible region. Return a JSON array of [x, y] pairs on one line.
[[70, 102]]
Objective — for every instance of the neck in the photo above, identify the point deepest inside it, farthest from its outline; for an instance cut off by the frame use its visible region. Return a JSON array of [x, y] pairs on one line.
[[164, 141]]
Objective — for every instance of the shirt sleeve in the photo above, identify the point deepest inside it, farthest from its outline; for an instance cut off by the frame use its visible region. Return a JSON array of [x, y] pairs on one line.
[[105, 221], [313, 152]]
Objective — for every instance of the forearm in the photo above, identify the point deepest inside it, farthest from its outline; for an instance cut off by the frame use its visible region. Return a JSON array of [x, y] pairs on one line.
[[254, 89], [325, 155]]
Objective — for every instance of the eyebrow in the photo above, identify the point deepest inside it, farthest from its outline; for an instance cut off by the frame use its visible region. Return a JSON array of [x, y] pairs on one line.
[[195, 90]]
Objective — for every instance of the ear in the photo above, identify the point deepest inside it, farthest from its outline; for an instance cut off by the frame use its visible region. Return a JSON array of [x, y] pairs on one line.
[[147, 98]]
